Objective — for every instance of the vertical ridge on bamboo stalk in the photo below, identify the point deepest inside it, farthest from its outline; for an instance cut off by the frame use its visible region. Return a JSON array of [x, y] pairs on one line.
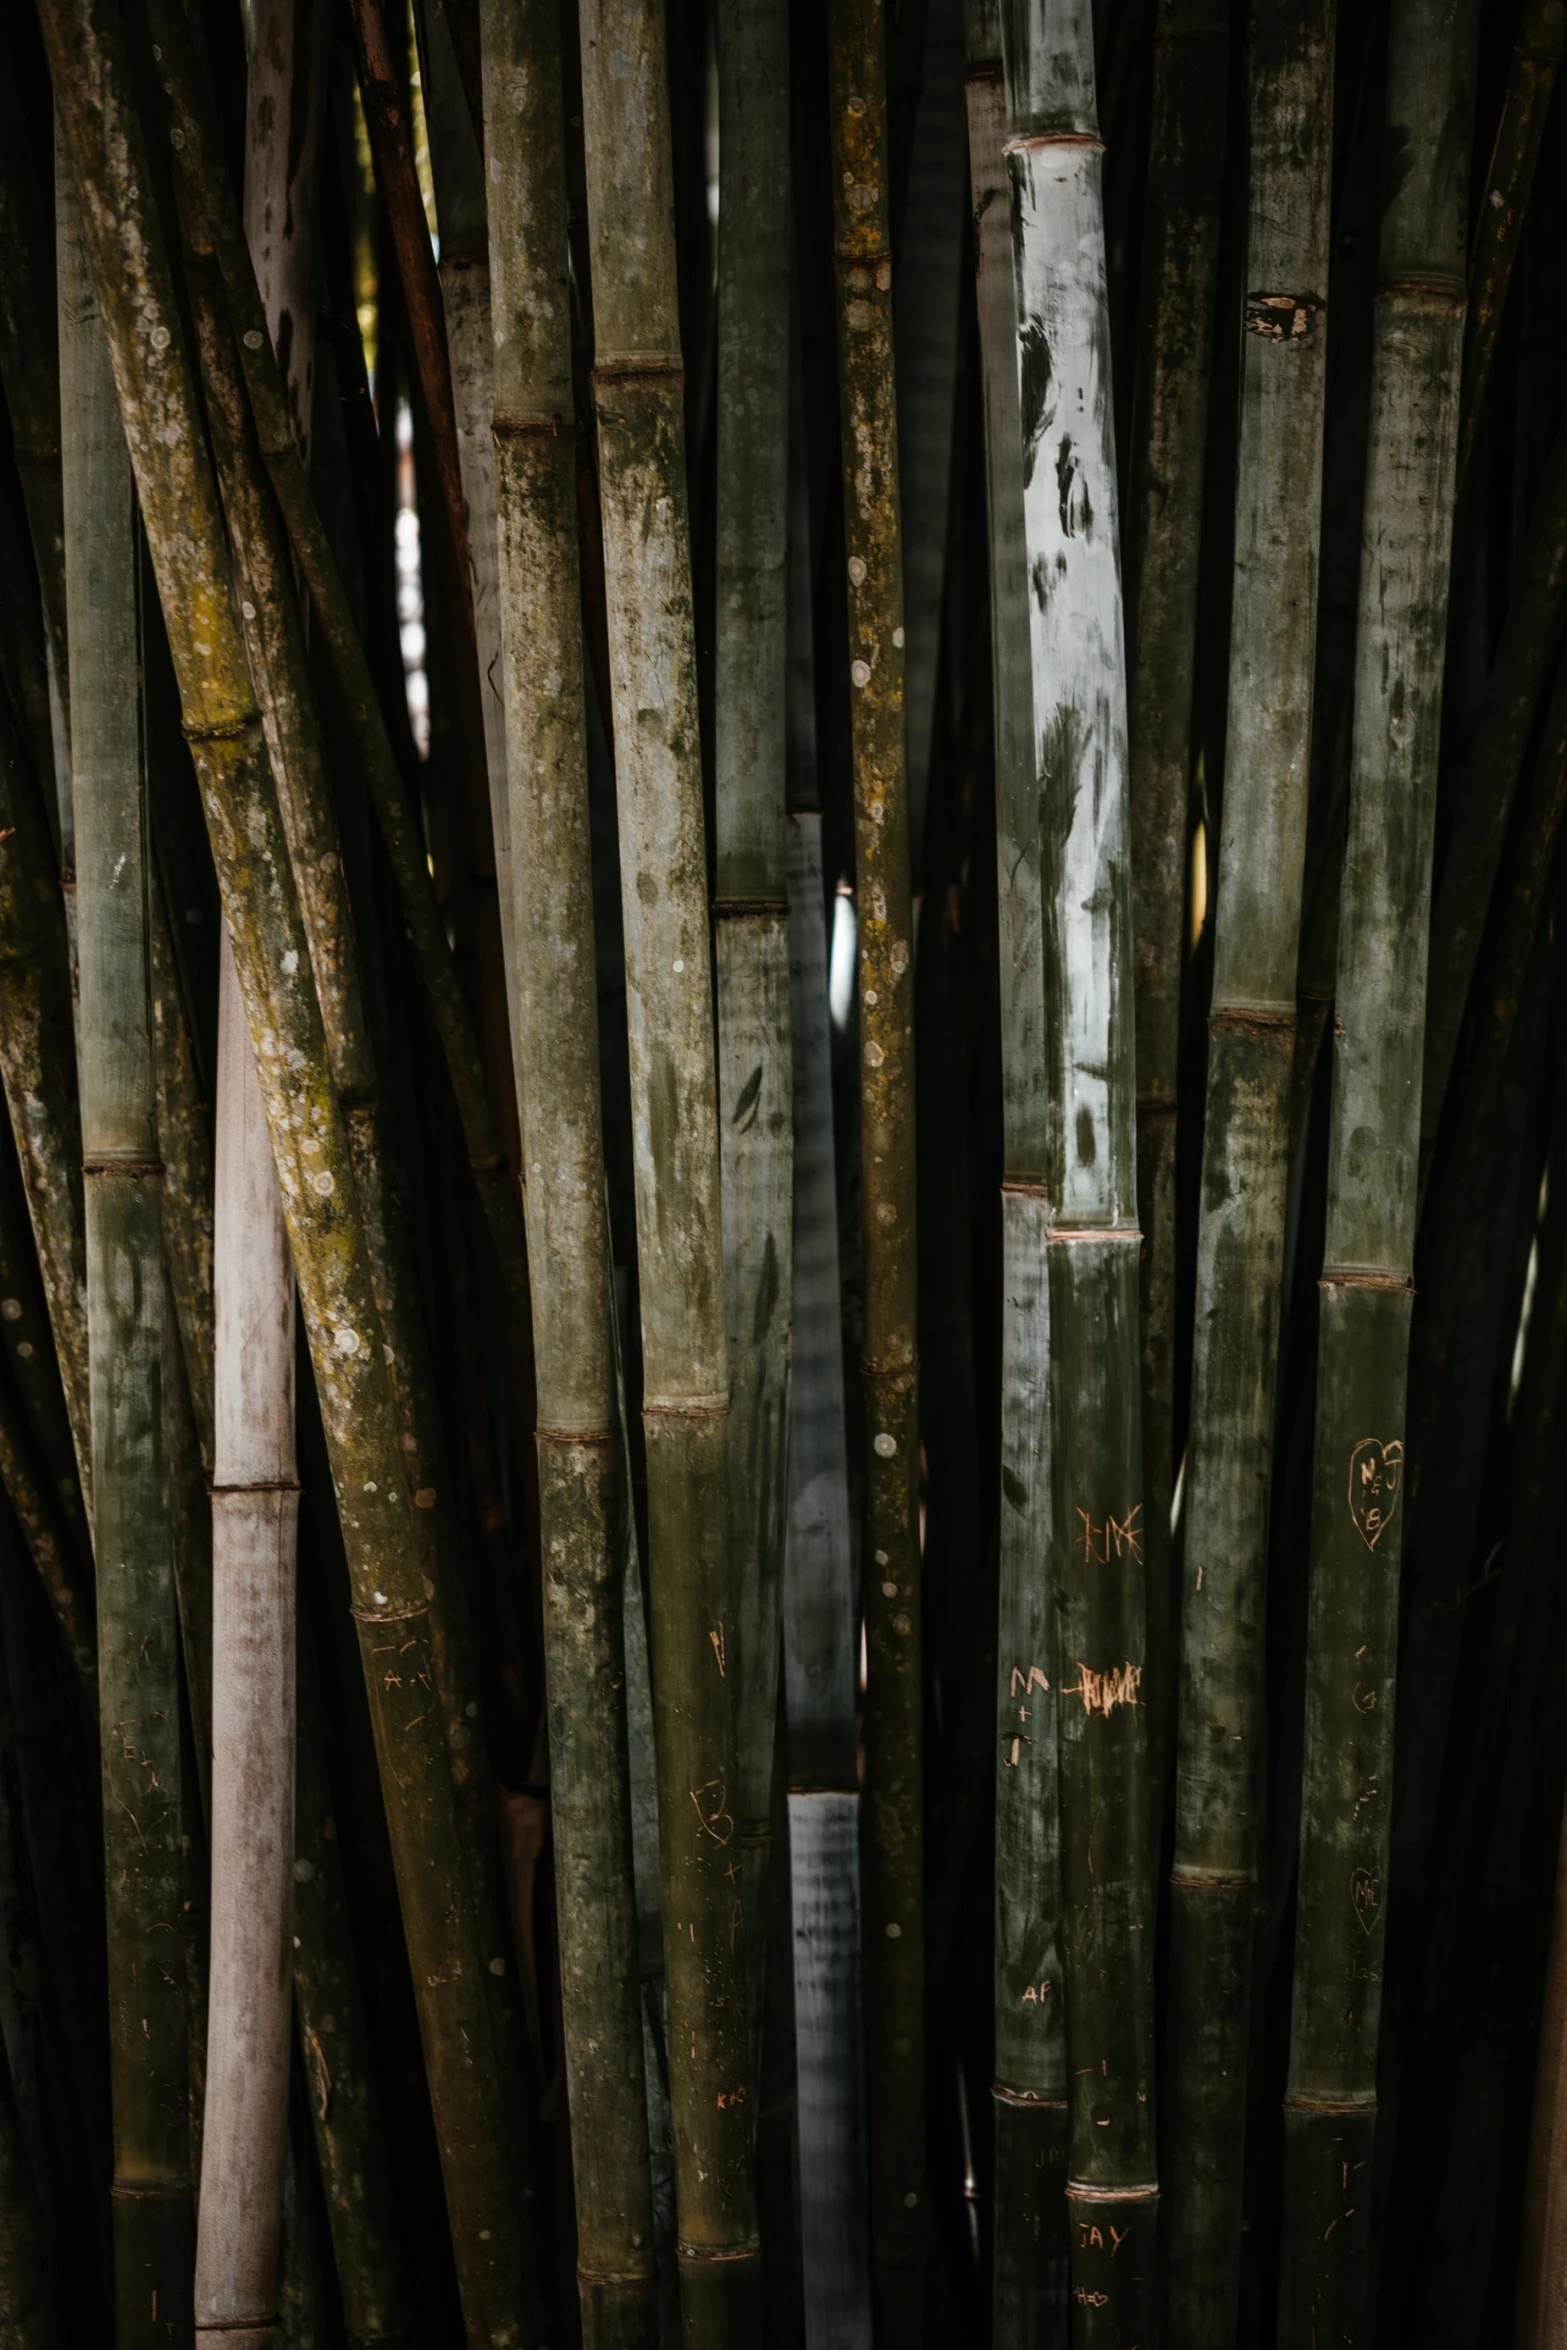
[[272, 954], [751, 893], [1373, 1165], [1240, 1242], [638, 396], [582, 1486], [128, 1333], [1079, 753], [1164, 534], [892, 1840], [1029, 2278]]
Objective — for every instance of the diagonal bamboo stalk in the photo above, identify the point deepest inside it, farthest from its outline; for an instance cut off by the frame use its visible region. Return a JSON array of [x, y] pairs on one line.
[[1357, 1528], [1168, 442], [1240, 1244], [1029, 2277], [29, 352], [751, 893], [1080, 758], [892, 1851], [272, 955], [1504, 203], [555, 1011], [212, 225], [638, 394], [128, 1333]]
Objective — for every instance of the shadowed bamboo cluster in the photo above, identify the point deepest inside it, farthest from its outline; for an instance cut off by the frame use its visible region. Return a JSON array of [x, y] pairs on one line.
[[783, 1223]]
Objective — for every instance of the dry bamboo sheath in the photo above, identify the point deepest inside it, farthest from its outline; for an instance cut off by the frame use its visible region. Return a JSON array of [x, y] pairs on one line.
[[892, 1842]]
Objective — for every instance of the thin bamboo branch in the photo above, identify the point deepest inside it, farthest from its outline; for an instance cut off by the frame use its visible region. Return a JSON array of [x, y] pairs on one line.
[[128, 1332], [1240, 1243], [639, 397], [1357, 1526], [581, 1466], [310, 1145], [1029, 2277], [1054, 160], [893, 1849], [751, 893]]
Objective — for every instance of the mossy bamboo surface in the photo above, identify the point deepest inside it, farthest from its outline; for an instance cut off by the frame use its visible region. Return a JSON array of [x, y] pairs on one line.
[[751, 895], [275, 645], [1168, 442], [1029, 2275], [639, 398], [1503, 206], [1054, 159], [128, 1334], [892, 1885], [1215, 1888], [555, 1015], [1357, 1527], [212, 225], [153, 373]]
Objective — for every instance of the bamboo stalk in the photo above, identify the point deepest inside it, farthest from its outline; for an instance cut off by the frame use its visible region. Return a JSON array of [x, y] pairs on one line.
[[1169, 431], [1357, 1529], [1079, 731], [1029, 2279], [272, 955], [751, 894], [638, 395], [555, 1014], [212, 225], [30, 352], [820, 1615], [1503, 207], [285, 104], [1240, 1244], [255, 1517], [892, 1889], [37, 1067], [138, 1641]]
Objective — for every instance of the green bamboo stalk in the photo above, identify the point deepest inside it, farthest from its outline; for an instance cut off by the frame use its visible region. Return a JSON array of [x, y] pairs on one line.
[[555, 1024], [820, 1615], [893, 1848], [1169, 433], [638, 394], [1357, 1528], [1240, 1247], [1054, 160], [1538, 50], [212, 225], [272, 954], [1029, 2277], [751, 894], [138, 1640]]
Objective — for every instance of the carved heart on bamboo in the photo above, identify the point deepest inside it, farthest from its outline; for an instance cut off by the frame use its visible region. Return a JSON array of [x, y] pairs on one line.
[[1376, 1474]]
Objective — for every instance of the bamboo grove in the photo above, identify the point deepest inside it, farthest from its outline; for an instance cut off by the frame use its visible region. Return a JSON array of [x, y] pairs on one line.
[[783, 1216]]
